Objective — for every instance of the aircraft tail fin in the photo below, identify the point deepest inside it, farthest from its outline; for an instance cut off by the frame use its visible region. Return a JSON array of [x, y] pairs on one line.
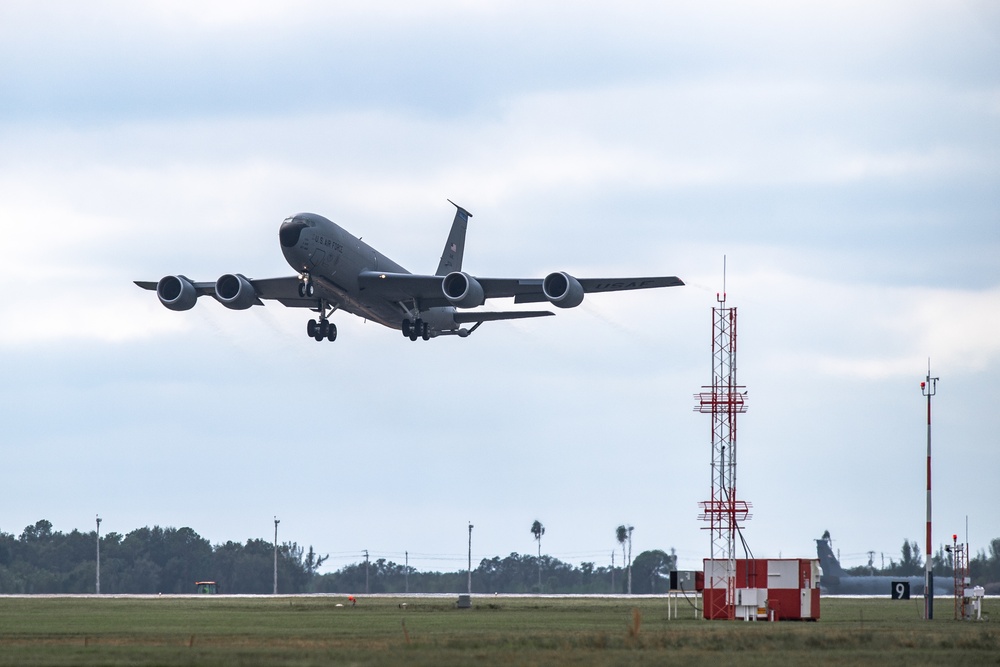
[[827, 559], [454, 249]]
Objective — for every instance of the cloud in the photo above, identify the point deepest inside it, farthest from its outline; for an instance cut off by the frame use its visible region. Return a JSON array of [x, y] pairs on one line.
[[839, 157]]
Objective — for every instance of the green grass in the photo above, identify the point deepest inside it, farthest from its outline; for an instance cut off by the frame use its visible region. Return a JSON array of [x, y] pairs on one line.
[[430, 631]]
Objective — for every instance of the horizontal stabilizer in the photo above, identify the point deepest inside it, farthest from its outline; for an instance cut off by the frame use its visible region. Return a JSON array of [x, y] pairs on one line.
[[470, 317]]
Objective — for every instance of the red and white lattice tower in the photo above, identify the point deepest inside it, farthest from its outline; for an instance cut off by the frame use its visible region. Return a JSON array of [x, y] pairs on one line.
[[724, 399], [960, 570]]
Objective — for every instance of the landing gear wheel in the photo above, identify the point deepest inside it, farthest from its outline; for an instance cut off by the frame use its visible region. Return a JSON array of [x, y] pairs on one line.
[[406, 328], [302, 290], [426, 332], [417, 329], [310, 290], [311, 328], [331, 334]]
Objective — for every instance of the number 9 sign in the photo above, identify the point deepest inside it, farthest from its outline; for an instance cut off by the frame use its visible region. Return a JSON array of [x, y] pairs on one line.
[[900, 590]]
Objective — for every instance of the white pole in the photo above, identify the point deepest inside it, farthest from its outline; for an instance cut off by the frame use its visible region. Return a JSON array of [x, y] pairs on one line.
[[98, 588], [630, 560], [929, 388], [276, 522], [470, 558]]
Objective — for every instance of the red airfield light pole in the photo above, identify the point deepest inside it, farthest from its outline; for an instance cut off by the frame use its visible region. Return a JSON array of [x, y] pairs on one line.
[[928, 388]]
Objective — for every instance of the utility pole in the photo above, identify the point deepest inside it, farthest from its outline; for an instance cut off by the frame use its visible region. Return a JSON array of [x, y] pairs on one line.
[[470, 558], [928, 388], [406, 573], [366, 571], [276, 522], [98, 587], [630, 528], [612, 570]]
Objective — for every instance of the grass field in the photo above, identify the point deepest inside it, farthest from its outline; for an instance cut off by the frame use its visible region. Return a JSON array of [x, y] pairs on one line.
[[516, 630]]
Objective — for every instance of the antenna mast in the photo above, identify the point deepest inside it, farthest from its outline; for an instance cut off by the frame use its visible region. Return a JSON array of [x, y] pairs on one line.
[[724, 399]]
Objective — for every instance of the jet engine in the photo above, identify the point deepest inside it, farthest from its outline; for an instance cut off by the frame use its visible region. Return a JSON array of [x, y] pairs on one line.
[[462, 290], [176, 293], [563, 290], [235, 292]]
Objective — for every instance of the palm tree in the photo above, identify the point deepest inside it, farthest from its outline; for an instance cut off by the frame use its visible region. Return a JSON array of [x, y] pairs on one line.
[[537, 529], [624, 533]]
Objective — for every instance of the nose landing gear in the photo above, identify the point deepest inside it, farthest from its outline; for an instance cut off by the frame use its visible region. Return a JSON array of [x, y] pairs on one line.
[[306, 288]]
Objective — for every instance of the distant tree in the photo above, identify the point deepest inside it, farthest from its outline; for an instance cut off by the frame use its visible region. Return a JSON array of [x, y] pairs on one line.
[[652, 571], [624, 534], [985, 568], [621, 534], [42, 530], [313, 562], [912, 563], [537, 529]]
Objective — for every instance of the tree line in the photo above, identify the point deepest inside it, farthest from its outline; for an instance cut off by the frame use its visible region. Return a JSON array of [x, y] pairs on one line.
[[169, 560], [984, 566], [147, 560]]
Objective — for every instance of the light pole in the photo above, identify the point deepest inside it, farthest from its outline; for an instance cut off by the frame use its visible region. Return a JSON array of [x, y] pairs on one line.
[[276, 522], [630, 529], [98, 587], [928, 388], [470, 558]]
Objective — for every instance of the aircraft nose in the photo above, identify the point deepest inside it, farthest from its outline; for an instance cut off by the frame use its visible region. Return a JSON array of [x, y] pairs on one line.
[[290, 231]]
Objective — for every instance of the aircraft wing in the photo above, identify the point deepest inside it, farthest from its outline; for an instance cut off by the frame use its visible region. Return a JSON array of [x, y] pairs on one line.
[[485, 316], [404, 287], [203, 289], [532, 293], [427, 289], [284, 290]]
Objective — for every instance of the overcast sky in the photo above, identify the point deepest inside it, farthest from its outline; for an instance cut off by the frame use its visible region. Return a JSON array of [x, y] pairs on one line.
[[844, 158]]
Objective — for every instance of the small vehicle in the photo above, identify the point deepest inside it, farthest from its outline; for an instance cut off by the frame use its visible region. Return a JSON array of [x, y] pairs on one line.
[[206, 587]]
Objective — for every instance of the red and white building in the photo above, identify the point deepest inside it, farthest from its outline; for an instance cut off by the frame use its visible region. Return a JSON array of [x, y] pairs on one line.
[[776, 589]]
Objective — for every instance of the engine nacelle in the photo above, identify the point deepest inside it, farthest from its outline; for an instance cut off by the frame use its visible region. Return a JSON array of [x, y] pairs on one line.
[[176, 293], [563, 290], [235, 291], [462, 290]]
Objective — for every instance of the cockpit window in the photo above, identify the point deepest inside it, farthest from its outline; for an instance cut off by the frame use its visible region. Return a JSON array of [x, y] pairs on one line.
[[290, 231]]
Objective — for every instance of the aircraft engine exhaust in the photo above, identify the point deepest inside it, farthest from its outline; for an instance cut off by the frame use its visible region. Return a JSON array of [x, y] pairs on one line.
[[462, 290], [234, 291], [562, 290], [176, 293]]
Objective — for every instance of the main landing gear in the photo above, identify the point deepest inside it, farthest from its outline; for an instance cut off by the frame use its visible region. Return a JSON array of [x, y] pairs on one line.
[[416, 329], [322, 329]]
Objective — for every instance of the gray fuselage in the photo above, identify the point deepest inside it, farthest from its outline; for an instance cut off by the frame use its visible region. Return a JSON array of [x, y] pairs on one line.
[[333, 258]]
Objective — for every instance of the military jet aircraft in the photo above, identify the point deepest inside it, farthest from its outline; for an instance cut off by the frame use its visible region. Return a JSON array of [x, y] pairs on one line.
[[337, 271], [836, 580]]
